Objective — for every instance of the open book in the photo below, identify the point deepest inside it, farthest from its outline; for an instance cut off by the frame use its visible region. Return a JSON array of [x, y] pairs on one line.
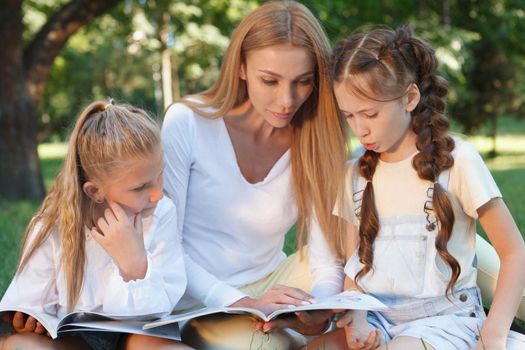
[[97, 322], [347, 300]]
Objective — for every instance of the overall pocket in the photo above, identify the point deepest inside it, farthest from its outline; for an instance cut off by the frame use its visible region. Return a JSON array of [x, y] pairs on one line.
[[398, 266]]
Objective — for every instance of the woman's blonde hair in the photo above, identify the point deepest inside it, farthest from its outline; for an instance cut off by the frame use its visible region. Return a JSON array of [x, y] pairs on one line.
[[104, 137], [318, 149]]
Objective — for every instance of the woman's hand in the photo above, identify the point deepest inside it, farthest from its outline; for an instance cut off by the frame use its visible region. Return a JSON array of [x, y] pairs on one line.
[[359, 334], [23, 323], [122, 239], [304, 322], [276, 298]]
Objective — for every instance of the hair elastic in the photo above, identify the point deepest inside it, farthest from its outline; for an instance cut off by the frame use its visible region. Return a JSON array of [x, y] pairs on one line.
[[110, 103]]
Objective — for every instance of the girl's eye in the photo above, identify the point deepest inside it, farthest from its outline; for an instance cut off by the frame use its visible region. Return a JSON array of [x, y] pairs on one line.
[[370, 116], [304, 82], [138, 189], [269, 81]]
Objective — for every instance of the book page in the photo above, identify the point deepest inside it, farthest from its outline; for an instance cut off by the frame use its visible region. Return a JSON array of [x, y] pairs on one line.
[[203, 312], [347, 300], [169, 331]]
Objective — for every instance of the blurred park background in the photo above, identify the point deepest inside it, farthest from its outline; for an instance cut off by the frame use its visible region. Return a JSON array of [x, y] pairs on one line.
[[59, 55]]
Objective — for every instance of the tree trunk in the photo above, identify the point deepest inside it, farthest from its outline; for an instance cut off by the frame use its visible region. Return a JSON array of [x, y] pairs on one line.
[[20, 175], [24, 74]]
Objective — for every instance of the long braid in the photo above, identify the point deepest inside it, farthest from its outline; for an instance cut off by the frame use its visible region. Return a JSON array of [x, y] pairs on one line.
[[431, 127], [369, 226]]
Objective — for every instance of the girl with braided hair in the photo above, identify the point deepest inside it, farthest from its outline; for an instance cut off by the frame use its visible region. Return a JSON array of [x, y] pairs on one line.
[[412, 200]]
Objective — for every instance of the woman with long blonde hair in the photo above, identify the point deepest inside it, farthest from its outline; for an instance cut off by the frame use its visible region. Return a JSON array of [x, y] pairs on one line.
[[260, 150], [102, 240]]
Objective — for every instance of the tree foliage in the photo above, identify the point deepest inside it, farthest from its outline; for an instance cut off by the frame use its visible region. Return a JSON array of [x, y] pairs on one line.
[[129, 52]]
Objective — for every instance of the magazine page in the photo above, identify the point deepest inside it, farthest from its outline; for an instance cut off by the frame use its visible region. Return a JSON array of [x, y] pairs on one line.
[[179, 317], [49, 322], [169, 331], [348, 300]]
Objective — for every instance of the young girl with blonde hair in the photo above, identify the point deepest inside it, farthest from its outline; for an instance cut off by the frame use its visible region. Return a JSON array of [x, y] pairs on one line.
[[104, 239], [257, 152], [411, 201]]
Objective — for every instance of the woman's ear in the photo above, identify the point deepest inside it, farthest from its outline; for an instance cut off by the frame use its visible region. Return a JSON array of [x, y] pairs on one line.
[[242, 71], [93, 191], [413, 96]]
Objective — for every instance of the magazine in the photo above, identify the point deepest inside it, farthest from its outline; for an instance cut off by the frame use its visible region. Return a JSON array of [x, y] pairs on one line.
[[347, 300], [82, 321]]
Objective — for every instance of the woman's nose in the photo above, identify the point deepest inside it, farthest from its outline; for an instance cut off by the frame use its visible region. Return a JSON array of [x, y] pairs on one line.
[[287, 96]]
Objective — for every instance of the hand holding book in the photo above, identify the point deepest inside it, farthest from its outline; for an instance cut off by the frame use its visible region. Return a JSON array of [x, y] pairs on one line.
[[23, 323]]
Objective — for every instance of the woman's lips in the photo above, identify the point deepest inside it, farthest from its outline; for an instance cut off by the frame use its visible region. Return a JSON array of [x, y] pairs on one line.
[[283, 115]]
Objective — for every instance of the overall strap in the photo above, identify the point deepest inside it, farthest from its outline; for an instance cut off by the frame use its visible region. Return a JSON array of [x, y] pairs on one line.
[[444, 179], [358, 188]]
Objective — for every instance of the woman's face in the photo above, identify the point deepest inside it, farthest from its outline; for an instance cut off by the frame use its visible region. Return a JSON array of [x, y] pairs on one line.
[[279, 78]]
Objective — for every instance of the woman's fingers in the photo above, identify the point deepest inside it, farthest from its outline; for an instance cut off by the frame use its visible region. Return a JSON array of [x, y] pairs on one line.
[[295, 293]]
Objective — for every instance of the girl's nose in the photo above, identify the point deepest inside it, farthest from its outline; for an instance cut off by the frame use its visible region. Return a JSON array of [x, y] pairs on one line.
[[360, 127], [155, 195]]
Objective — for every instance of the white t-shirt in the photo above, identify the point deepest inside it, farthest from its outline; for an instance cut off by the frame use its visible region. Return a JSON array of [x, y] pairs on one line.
[[233, 230], [399, 191], [41, 286]]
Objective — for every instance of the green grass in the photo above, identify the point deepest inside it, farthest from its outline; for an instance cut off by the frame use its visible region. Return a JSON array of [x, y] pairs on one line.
[[508, 170], [15, 216]]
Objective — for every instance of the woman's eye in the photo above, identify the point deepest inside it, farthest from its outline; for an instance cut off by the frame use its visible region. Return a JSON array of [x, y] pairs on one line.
[[370, 116], [269, 81]]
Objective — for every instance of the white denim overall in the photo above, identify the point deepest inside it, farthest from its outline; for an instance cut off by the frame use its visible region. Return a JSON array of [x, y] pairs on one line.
[[407, 278]]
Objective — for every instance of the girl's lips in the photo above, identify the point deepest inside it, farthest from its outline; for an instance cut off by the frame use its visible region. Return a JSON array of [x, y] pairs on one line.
[[369, 146]]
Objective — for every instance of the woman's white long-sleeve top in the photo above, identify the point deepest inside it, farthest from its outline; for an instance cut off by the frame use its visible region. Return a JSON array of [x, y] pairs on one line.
[[233, 231]]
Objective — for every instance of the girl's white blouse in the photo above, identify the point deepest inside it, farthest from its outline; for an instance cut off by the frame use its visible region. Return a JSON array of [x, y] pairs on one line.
[[41, 286]]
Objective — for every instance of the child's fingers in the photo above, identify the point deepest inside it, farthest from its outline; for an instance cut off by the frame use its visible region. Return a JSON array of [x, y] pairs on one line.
[[137, 223], [118, 213], [39, 329], [371, 340], [97, 236], [18, 321], [345, 320], [377, 342], [103, 225], [30, 324], [110, 217], [304, 317]]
